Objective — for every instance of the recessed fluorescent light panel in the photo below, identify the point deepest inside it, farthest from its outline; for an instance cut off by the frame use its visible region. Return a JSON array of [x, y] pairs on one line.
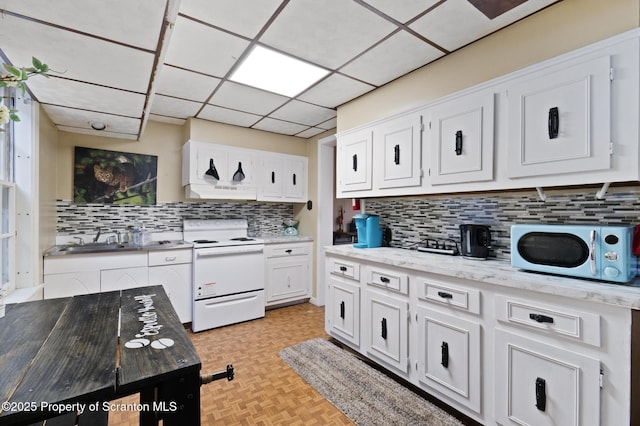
[[269, 70]]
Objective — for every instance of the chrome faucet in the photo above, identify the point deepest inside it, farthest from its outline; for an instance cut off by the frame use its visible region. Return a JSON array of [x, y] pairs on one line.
[[80, 240], [95, 240]]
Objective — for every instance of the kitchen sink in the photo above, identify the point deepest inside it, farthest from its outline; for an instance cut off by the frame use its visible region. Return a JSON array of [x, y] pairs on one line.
[[105, 247]]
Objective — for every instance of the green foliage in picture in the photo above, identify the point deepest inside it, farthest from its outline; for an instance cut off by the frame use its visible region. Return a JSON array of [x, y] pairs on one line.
[[112, 177]]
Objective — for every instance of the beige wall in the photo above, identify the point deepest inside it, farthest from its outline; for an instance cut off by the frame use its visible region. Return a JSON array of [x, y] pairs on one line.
[[560, 28], [165, 141]]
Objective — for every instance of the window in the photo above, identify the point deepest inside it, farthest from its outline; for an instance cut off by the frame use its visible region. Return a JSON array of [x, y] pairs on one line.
[[7, 200]]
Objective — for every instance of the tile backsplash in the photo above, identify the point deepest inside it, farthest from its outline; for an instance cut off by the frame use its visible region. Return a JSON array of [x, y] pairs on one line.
[[413, 219], [78, 219]]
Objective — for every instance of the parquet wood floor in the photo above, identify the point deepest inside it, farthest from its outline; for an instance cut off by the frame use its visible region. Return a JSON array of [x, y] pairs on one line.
[[265, 391]]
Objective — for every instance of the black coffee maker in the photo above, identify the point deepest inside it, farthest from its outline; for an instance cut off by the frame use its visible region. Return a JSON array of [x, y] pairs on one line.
[[475, 241]]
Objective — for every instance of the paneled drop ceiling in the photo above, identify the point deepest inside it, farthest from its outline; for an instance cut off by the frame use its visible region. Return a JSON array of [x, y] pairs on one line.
[[124, 62]]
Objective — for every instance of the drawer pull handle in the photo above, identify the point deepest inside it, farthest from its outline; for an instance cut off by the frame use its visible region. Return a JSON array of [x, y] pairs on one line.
[[553, 123], [541, 318], [396, 155], [343, 269], [288, 251], [385, 280], [273, 177], [170, 258], [445, 295], [459, 142], [384, 329], [355, 162], [342, 309], [445, 355], [541, 394]]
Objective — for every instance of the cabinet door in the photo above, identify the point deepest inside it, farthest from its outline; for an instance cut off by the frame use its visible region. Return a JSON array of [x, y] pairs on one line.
[[449, 356], [295, 182], [387, 333], [176, 280], [343, 311], [211, 159], [287, 278], [462, 139], [239, 164], [354, 161], [271, 178], [539, 384], [559, 122], [71, 284], [121, 279], [398, 161]]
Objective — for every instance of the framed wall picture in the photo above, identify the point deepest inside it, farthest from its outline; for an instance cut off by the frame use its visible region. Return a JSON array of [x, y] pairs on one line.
[[113, 177]]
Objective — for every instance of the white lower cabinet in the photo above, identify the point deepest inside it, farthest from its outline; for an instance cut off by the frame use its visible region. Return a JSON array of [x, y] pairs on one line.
[[386, 329], [288, 272], [449, 356], [123, 278], [173, 270], [539, 384], [497, 354], [69, 284]]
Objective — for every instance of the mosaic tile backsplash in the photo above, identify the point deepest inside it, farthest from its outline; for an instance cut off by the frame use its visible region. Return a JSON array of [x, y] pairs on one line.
[[74, 219], [413, 219]]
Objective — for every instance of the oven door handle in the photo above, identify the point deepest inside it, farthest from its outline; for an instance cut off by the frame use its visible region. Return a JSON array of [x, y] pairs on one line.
[[200, 253]]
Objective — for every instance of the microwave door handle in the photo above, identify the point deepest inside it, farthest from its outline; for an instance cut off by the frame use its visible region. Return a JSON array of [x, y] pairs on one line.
[[592, 252]]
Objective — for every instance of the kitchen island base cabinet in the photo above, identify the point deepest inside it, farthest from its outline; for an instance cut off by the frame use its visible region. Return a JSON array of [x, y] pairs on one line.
[[539, 384]]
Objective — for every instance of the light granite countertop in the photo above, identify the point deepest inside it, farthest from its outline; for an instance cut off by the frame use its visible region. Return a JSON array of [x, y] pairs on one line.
[[498, 272], [279, 238]]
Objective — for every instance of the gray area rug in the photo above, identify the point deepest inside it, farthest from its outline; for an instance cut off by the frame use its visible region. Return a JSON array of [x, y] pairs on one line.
[[365, 395]]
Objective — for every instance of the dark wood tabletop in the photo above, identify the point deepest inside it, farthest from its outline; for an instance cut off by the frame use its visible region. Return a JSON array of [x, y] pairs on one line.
[[77, 353]]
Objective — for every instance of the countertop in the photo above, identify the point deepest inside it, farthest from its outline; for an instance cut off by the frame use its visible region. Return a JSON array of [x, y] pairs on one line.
[[279, 238], [152, 246], [498, 272]]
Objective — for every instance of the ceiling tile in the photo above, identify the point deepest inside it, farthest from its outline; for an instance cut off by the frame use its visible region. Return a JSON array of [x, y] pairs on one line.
[[172, 107], [243, 98], [105, 134], [278, 126], [303, 113], [85, 96], [328, 33], [329, 124], [75, 56], [69, 117], [335, 90], [185, 84], [402, 10], [396, 56], [444, 23], [310, 132], [229, 116], [135, 23], [201, 48], [170, 120], [232, 15]]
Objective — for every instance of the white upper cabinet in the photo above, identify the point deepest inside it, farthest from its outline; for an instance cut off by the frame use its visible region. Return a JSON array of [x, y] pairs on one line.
[[213, 171], [397, 154], [354, 162], [283, 178], [559, 120], [218, 171], [461, 139]]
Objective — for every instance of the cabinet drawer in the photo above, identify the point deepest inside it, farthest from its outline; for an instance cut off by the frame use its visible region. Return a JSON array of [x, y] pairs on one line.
[[287, 250], [344, 268], [169, 257], [549, 319], [442, 292], [388, 279]]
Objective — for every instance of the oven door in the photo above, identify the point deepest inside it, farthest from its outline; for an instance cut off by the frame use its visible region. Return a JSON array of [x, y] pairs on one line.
[[221, 271]]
